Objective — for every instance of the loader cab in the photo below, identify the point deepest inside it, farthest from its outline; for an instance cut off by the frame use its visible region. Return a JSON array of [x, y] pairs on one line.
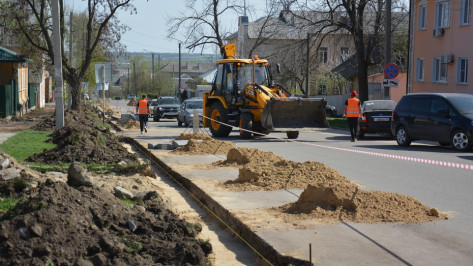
[[234, 75]]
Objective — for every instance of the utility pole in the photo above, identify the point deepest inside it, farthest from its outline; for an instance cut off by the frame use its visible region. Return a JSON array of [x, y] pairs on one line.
[[70, 60], [128, 81], [307, 67], [179, 85], [152, 71], [59, 93], [387, 56], [134, 77]]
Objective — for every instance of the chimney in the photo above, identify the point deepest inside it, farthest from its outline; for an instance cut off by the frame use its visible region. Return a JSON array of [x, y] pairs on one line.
[[242, 41]]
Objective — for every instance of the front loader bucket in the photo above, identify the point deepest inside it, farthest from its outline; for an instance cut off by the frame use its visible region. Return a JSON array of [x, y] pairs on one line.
[[294, 113]]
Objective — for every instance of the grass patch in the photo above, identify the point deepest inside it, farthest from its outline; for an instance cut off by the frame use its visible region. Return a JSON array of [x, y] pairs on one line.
[[337, 122], [8, 203], [128, 202], [133, 246], [26, 143]]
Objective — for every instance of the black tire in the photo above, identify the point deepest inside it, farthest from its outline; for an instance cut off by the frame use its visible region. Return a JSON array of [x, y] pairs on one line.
[[460, 140], [179, 123], [219, 114], [246, 123], [361, 134], [156, 118], [186, 124], [292, 134], [402, 137]]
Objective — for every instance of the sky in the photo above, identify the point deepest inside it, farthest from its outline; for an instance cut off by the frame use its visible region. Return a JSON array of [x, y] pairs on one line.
[[149, 26]]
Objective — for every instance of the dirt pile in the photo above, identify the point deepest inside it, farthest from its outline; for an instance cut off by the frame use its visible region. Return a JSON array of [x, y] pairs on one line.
[[197, 146], [83, 139], [327, 196], [187, 136], [26, 121], [130, 124], [61, 224]]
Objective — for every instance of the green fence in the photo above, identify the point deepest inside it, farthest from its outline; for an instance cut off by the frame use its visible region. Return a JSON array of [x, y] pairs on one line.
[[6, 101]]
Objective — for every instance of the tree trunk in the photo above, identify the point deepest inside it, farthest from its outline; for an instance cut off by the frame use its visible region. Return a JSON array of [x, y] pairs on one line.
[[363, 80]]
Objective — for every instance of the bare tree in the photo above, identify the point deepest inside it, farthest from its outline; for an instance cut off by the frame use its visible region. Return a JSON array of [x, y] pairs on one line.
[[201, 23], [362, 19], [32, 19]]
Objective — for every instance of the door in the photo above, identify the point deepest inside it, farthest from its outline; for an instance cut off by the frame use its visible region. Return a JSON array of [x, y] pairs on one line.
[[419, 117], [440, 121]]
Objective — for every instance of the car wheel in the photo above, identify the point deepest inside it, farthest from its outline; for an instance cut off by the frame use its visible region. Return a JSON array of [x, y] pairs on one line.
[[179, 123], [246, 123], [460, 140], [361, 135], [155, 118], [218, 115], [402, 137], [292, 134]]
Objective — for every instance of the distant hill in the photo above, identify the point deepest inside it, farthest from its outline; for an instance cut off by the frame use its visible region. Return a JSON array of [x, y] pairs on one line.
[[170, 57]]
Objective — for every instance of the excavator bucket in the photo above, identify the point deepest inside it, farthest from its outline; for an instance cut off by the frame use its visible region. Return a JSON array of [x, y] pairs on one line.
[[294, 113]]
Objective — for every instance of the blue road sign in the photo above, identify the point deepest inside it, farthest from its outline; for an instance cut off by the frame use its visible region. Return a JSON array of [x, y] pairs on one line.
[[391, 71]]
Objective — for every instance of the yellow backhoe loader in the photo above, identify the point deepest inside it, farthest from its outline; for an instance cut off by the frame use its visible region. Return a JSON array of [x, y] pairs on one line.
[[244, 95]]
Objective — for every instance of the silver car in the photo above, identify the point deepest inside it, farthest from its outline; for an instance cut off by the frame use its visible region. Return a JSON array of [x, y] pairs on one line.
[[185, 114]]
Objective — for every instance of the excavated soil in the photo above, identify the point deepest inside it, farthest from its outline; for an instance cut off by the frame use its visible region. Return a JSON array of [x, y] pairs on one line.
[[82, 139], [27, 121], [199, 146], [57, 224], [328, 196]]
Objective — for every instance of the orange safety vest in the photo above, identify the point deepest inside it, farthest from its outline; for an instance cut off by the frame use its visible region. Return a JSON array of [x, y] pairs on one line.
[[353, 107], [143, 107]]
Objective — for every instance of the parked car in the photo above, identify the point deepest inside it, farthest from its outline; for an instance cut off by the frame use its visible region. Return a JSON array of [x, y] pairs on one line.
[[185, 114], [166, 108], [131, 96], [152, 105], [443, 117], [376, 117], [118, 98], [330, 111]]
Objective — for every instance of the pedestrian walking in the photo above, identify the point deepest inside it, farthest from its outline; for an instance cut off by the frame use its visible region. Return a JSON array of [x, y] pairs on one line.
[[143, 110], [352, 112]]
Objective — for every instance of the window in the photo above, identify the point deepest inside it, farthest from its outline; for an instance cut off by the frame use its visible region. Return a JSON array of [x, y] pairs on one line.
[[421, 105], [421, 20], [442, 14], [462, 72], [465, 11], [440, 71], [420, 69], [323, 55]]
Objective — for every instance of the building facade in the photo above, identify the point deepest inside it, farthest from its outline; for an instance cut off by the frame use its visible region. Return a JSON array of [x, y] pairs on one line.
[[441, 46]]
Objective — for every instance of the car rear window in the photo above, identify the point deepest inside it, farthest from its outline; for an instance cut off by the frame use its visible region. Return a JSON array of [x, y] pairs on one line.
[[464, 105], [378, 105]]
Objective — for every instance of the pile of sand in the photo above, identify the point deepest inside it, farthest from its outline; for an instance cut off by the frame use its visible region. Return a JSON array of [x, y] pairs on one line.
[[187, 136], [195, 146], [328, 196]]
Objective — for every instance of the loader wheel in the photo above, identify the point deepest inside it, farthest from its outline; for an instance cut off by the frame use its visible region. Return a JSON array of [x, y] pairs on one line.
[[246, 123], [219, 114], [292, 134]]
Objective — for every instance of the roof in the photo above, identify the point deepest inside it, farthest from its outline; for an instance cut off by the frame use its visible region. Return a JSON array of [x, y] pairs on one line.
[[10, 56]]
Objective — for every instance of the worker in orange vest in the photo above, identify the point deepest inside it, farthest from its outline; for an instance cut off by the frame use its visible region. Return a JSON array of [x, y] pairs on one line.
[[142, 108], [352, 112]]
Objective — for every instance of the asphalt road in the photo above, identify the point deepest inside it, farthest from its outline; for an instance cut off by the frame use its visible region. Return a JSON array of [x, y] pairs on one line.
[[372, 164]]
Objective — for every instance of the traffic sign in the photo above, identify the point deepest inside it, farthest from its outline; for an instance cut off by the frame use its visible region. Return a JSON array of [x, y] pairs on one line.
[[391, 71], [181, 90], [390, 82]]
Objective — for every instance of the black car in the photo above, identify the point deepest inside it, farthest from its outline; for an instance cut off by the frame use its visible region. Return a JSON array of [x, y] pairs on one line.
[[376, 117], [166, 107], [443, 117]]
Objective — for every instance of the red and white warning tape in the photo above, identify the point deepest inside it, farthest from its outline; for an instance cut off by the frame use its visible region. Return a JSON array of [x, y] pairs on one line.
[[398, 157]]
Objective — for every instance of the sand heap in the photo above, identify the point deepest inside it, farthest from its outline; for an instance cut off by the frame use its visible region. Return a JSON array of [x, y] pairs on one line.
[[202, 144], [131, 124], [327, 194]]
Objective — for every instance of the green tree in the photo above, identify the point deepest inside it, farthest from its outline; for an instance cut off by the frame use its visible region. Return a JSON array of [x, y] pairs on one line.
[[101, 28]]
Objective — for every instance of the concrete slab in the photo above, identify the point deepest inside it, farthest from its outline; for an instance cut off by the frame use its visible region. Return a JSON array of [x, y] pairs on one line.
[[179, 143], [5, 135]]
